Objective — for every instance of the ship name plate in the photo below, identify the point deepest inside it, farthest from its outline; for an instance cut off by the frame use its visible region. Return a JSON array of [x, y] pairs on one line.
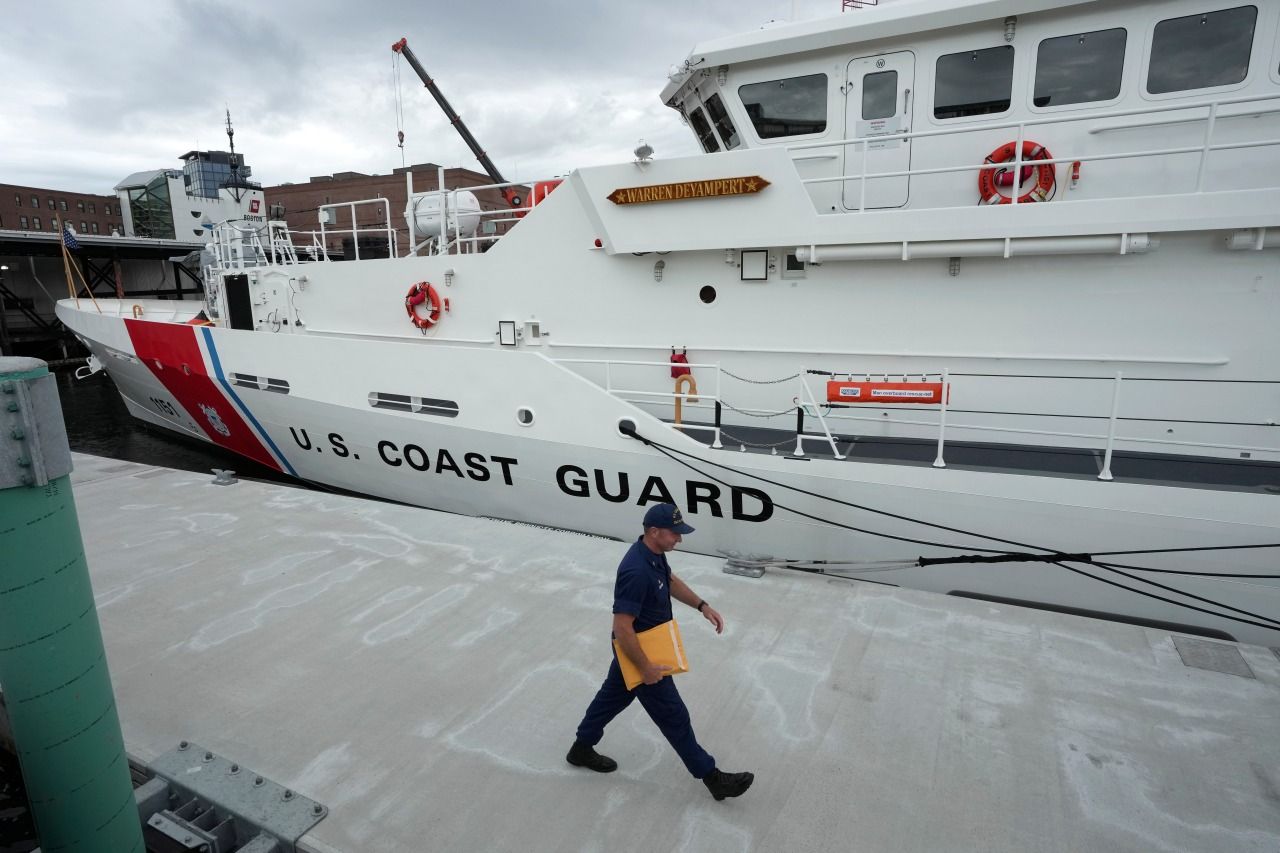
[[684, 190]]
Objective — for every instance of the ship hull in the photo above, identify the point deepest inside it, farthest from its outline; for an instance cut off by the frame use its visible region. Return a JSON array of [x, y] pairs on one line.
[[573, 468]]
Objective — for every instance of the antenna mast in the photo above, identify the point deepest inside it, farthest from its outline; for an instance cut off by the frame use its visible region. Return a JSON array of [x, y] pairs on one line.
[[234, 160]]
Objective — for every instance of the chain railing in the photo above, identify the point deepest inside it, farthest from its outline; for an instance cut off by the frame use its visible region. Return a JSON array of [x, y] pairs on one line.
[[806, 404]]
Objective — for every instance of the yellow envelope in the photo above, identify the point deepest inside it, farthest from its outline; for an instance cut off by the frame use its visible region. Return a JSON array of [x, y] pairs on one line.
[[662, 645]]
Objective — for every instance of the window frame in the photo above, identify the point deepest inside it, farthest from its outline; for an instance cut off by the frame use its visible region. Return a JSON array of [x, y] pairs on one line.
[[931, 106], [35, 224], [698, 108], [832, 111], [715, 124], [1126, 74], [1259, 21], [24, 223]]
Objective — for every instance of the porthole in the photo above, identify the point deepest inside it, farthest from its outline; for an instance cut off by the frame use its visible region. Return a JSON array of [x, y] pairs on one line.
[[707, 294], [524, 416]]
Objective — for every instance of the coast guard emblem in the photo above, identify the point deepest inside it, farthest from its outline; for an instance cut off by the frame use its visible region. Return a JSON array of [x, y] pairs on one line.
[[211, 415]]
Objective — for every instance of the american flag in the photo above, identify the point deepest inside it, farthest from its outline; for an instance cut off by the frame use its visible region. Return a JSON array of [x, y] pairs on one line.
[[68, 239]]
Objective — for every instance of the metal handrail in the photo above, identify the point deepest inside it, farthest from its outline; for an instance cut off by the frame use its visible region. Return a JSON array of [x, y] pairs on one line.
[[355, 230], [1108, 439], [1015, 166]]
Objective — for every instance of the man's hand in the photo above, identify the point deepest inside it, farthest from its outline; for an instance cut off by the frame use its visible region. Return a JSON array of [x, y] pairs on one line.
[[654, 672], [714, 618]]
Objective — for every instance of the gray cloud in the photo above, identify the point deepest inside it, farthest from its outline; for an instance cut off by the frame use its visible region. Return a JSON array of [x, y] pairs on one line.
[[545, 86]]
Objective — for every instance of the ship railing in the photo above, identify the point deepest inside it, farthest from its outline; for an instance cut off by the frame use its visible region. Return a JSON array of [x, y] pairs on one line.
[[236, 245], [1204, 148], [807, 405], [383, 229], [448, 238]]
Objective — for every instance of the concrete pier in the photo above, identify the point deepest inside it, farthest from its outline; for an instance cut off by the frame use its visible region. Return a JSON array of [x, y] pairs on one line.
[[421, 674]]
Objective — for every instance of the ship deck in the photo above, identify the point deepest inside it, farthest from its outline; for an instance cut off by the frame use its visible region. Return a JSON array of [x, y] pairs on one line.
[[421, 675], [1163, 469]]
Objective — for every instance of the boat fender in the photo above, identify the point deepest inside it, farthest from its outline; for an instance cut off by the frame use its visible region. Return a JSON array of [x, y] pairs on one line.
[[990, 179], [423, 293]]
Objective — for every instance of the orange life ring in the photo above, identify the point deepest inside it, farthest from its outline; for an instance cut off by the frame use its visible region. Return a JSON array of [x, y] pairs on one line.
[[420, 293], [990, 179]]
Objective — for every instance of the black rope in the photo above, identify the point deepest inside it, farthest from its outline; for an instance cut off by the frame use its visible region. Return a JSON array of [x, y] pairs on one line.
[[1189, 572], [1182, 550], [627, 430], [1128, 576], [1005, 558], [1270, 627]]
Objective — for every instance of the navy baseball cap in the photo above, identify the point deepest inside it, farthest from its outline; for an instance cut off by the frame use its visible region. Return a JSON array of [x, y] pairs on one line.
[[666, 516]]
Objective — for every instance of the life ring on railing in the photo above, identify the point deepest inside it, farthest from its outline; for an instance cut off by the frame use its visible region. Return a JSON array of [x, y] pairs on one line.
[[420, 294], [989, 180]]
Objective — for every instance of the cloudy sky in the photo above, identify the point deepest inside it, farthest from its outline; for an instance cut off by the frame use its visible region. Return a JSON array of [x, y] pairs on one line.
[[94, 92]]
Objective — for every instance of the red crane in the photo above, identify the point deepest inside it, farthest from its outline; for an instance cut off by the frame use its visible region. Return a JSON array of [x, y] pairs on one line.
[[509, 193]]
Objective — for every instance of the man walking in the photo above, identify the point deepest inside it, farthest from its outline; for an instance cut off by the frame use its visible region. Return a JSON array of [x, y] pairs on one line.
[[642, 600]]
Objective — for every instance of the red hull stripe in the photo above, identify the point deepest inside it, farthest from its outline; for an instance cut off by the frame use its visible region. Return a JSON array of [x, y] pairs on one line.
[[172, 353]]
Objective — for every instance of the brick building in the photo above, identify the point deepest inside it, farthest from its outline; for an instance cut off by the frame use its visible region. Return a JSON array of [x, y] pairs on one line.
[[302, 201], [38, 209]]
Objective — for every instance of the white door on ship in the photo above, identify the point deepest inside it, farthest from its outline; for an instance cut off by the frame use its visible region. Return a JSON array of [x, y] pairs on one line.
[[878, 93]]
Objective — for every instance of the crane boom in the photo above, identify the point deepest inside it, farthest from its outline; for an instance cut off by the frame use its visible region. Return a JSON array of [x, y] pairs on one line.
[[402, 47]]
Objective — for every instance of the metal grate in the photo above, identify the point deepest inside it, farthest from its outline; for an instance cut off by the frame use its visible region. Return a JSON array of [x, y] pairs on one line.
[[1218, 657]]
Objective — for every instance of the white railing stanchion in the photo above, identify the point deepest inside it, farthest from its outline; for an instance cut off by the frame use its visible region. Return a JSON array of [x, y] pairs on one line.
[[1204, 152], [938, 461], [835, 451], [1111, 431], [799, 451], [862, 182], [715, 442], [1016, 186]]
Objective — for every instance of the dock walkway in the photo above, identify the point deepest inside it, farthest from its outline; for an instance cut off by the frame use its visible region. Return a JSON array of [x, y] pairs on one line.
[[421, 674]]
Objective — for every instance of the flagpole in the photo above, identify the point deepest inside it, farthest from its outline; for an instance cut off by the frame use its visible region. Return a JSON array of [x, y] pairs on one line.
[[87, 288], [66, 270], [68, 240]]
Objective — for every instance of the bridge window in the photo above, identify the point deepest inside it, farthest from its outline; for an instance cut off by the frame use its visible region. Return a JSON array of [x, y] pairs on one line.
[[792, 107], [973, 83], [1079, 68], [720, 118], [703, 130], [1200, 51], [879, 95]]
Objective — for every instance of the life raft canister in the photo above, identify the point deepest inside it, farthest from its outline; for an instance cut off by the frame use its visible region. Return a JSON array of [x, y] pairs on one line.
[[678, 359], [420, 294], [541, 190], [884, 392], [989, 180]]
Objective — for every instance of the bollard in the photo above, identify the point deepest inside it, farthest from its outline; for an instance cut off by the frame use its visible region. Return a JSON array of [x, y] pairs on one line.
[[53, 668]]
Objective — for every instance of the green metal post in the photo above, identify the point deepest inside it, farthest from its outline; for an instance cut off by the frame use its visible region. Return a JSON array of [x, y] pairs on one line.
[[53, 668]]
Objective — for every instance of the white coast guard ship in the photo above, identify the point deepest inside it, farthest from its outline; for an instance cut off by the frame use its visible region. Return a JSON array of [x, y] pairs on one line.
[[990, 280]]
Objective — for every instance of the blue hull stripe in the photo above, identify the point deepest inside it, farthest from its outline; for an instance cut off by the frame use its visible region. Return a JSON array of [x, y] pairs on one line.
[[217, 369]]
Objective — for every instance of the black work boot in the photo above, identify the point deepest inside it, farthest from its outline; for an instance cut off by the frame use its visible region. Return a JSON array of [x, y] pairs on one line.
[[723, 785], [582, 755]]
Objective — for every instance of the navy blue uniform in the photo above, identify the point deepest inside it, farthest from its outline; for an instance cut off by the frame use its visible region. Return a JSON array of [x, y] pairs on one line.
[[643, 590]]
